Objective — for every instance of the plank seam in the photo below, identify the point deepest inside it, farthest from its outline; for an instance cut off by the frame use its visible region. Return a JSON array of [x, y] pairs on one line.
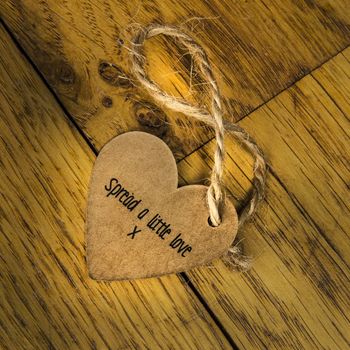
[[186, 280], [37, 71], [310, 72]]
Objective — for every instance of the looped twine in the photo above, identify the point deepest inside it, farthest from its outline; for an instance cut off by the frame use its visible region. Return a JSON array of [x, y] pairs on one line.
[[215, 194]]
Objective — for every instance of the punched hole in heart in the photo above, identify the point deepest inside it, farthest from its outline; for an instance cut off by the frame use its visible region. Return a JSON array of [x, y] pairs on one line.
[[211, 224]]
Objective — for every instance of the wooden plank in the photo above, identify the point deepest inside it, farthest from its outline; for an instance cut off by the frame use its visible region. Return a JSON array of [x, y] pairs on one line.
[[258, 48], [47, 300], [297, 294]]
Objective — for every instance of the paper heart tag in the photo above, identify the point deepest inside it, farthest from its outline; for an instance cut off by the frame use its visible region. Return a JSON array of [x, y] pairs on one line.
[[139, 224]]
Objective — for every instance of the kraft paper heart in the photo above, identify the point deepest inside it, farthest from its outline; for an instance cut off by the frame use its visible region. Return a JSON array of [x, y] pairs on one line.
[[139, 224]]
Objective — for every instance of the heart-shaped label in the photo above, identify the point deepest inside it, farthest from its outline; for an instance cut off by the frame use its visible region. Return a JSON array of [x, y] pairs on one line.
[[139, 224]]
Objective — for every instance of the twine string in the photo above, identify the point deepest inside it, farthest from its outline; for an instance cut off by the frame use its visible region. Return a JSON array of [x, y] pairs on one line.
[[213, 118]]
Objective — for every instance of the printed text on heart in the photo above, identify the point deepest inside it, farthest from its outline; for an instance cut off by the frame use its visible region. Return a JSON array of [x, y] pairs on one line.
[[155, 222]]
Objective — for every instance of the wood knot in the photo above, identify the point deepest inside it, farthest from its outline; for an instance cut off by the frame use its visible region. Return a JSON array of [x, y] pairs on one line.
[[65, 74], [114, 75], [107, 101], [151, 118]]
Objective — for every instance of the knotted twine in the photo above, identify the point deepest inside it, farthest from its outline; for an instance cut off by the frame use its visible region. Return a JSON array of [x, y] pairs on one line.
[[214, 118]]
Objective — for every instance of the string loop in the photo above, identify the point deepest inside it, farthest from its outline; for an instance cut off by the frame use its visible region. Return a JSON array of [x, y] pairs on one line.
[[214, 118]]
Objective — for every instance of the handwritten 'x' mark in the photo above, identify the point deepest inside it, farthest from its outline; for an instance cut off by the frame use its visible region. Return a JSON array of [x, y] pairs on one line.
[[133, 233]]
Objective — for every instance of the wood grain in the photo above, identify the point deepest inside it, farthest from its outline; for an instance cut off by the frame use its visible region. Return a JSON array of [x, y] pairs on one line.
[[297, 294], [258, 48], [333, 76], [47, 300]]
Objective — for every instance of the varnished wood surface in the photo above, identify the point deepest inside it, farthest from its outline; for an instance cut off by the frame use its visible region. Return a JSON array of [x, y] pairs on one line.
[[47, 300], [297, 294], [257, 48]]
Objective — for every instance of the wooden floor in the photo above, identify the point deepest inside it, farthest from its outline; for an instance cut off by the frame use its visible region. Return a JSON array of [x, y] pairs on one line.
[[284, 69]]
